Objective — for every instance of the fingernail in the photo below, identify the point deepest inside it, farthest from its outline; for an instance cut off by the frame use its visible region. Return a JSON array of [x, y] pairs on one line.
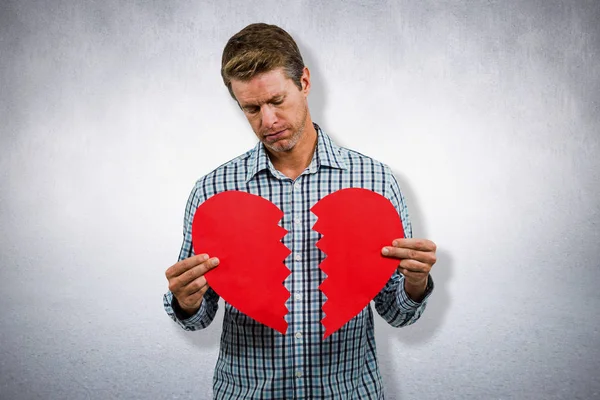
[[215, 262], [395, 243], [204, 257], [385, 251]]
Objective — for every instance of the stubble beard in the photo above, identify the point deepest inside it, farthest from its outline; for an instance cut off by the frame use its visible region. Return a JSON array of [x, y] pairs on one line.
[[289, 144]]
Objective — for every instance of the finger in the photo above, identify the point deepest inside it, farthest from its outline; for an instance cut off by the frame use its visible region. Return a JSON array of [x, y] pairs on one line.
[[415, 278], [412, 266], [412, 273], [184, 265], [409, 254], [198, 296], [196, 272], [190, 301], [198, 285], [416, 244]]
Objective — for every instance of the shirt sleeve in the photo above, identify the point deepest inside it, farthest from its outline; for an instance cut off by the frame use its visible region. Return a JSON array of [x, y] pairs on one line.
[[393, 303], [210, 302], [203, 317]]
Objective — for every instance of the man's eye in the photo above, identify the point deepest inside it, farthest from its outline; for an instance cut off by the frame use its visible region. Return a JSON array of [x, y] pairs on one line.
[[251, 110]]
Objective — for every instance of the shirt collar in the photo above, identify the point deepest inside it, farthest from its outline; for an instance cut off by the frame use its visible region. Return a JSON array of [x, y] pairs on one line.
[[326, 154]]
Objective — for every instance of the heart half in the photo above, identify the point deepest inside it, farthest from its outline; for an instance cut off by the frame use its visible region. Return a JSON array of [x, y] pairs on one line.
[[356, 224], [242, 230]]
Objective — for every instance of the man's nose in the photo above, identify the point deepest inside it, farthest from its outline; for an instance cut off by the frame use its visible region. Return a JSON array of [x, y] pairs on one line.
[[268, 116]]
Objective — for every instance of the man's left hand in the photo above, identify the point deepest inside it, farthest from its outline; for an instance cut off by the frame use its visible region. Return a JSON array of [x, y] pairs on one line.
[[416, 256]]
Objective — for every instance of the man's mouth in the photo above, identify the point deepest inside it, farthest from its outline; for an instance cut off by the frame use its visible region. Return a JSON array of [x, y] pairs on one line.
[[275, 135]]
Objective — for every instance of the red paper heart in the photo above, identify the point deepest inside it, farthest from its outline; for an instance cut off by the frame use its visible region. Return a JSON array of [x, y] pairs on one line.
[[356, 224], [242, 230]]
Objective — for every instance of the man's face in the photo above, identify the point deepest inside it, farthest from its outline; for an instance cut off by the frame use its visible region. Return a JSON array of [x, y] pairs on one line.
[[276, 109]]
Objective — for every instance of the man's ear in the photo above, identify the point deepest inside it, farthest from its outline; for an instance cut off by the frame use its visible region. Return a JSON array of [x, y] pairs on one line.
[[305, 81]]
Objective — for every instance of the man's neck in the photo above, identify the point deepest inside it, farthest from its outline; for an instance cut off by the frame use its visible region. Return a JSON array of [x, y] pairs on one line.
[[292, 163]]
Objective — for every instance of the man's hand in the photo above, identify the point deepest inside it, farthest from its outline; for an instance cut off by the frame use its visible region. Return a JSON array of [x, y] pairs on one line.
[[187, 282], [417, 257]]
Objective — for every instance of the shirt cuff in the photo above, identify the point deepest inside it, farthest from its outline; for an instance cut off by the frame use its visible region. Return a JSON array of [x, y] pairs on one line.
[[190, 321], [405, 302]]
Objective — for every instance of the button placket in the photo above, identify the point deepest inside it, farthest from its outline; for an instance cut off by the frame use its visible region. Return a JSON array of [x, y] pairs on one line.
[[297, 291]]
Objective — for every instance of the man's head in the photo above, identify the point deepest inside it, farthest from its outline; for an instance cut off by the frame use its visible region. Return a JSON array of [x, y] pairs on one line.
[[264, 72], [260, 48]]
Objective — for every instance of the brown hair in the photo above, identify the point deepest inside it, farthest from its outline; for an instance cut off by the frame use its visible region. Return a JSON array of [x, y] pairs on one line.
[[260, 48]]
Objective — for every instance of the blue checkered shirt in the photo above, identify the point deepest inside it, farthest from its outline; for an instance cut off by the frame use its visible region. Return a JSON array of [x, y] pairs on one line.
[[255, 361]]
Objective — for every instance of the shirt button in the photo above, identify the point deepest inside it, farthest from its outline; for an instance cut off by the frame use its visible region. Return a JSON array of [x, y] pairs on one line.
[[298, 296], [297, 186], [299, 374], [297, 220], [298, 335], [298, 258]]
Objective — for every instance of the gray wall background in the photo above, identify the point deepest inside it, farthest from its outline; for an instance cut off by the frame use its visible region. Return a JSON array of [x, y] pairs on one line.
[[487, 111]]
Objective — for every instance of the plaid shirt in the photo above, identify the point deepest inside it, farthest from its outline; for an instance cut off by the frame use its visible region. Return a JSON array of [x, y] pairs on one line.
[[256, 362]]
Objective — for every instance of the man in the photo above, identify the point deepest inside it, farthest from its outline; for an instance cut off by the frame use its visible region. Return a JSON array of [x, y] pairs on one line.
[[294, 165]]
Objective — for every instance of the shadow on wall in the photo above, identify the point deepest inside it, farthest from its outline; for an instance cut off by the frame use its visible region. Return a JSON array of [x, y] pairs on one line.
[[208, 338], [317, 98], [437, 306]]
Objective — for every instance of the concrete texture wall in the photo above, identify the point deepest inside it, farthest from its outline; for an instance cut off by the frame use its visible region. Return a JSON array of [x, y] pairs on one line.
[[487, 111]]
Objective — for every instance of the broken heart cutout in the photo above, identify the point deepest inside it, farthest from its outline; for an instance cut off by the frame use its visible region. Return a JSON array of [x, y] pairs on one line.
[[356, 224], [242, 230]]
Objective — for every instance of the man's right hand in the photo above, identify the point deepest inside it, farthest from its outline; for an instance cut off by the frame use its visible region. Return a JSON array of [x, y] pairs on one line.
[[187, 281]]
